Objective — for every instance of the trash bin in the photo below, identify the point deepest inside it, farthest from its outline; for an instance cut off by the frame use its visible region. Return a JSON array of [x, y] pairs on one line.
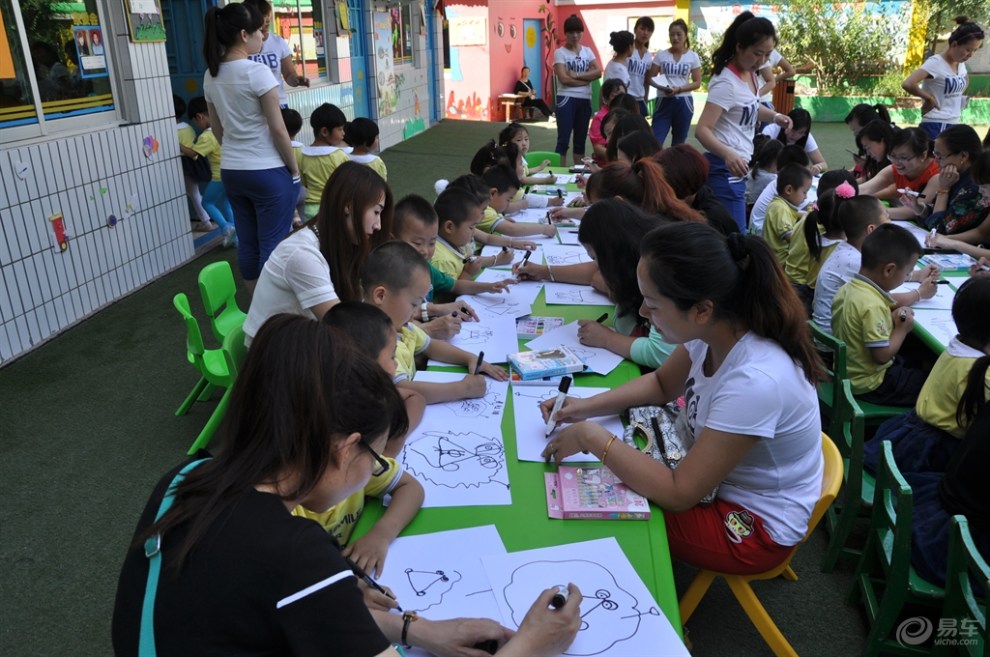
[[783, 96]]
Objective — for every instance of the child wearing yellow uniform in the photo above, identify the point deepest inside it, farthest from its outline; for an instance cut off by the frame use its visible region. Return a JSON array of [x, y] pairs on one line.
[[187, 138], [793, 183], [362, 135], [214, 196], [460, 212], [318, 161]]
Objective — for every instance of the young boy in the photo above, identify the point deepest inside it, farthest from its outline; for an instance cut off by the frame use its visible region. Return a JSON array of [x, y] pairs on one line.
[[788, 155], [187, 137], [293, 124], [502, 185], [793, 183], [476, 187], [371, 330], [867, 319], [214, 196], [317, 162], [396, 279], [860, 217], [459, 213]]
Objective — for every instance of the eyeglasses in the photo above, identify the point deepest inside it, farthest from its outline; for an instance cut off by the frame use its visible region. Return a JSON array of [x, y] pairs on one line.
[[895, 159], [939, 157], [382, 466]]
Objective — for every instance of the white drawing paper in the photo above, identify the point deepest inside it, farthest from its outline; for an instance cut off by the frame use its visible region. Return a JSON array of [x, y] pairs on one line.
[[558, 255], [944, 294], [938, 323], [530, 427], [516, 301], [619, 616], [919, 233], [464, 412], [565, 294], [496, 336], [597, 359], [459, 466], [568, 236]]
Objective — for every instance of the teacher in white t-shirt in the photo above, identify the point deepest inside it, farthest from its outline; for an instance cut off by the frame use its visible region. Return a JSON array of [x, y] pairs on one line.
[[728, 122], [942, 79], [639, 62], [575, 67], [258, 167], [681, 66], [746, 367], [276, 54]]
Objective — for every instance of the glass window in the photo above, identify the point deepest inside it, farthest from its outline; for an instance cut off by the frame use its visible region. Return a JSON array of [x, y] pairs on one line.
[[300, 23], [402, 34], [60, 65]]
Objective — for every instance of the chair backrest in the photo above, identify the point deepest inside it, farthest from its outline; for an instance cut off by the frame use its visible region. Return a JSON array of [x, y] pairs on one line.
[[831, 343], [195, 348], [234, 350], [962, 602], [891, 520], [853, 426], [831, 482], [218, 289], [535, 158]]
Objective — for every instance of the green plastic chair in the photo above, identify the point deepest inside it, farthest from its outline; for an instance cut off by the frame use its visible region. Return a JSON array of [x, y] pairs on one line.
[[961, 603], [830, 390], [233, 352], [859, 485], [884, 579], [218, 290], [535, 158], [209, 363]]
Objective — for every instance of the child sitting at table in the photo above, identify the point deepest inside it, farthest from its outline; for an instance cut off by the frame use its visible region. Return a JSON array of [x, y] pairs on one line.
[[475, 186], [502, 185], [372, 333], [396, 279], [318, 161], [925, 439], [518, 134], [460, 212], [867, 319], [793, 183], [362, 135], [758, 213], [510, 155]]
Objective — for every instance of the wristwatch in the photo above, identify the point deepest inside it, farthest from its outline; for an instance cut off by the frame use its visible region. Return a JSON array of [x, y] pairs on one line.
[[407, 618]]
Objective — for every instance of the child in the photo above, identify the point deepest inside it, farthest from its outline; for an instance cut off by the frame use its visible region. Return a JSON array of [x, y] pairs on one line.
[[371, 330], [867, 319], [502, 185], [214, 198], [491, 155], [793, 183], [758, 213], [293, 124], [319, 160], [460, 212], [187, 137], [516, 133], [925, 439], [396, 279], [763, 168], [610, 89], [362, 135]]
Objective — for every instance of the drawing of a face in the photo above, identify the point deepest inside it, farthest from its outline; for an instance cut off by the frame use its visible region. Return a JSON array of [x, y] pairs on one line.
[[455, 460], [503, 26]]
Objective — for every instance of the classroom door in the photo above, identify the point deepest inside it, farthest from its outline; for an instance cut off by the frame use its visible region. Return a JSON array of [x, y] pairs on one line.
[[184, 45], [359, 57], [533, 52]]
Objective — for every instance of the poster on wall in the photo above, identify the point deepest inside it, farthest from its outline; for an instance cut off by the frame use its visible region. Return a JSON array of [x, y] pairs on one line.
[[145, 20], [468, 31], [388, 96], [89, 50]]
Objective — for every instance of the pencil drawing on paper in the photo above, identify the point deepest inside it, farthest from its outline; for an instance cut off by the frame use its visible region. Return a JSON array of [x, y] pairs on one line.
[[457, 460], [488, 407], [431, 586]]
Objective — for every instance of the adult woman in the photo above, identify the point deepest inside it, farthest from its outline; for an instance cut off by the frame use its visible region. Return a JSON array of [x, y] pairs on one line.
[[622, 48], [942, 79], [770, 76], [968, 241], [911, 167], [746, 367], [877, 138], [639, 61], [308, 418], [321, 263], [799, 134], [258, 168], [575, 67], [276, 54], [729, 119], [687, 170], [525, 89], [682, 68], [958, 204], [859, 116]]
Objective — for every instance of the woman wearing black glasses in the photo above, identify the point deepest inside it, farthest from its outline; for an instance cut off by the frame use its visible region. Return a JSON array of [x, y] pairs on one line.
[[911, 168]]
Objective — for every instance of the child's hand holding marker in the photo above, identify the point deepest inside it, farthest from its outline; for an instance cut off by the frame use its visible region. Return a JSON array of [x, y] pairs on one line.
[[592, 333], [479, 366]]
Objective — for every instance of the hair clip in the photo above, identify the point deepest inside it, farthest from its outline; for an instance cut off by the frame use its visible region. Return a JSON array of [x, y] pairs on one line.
[[845, 190]]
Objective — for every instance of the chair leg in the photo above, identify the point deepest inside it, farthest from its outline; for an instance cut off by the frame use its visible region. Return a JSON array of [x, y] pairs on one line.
[[759, 617], [207, 392], [204, 437], [193, 395], [840, 535], [695, 592], [789, 574]]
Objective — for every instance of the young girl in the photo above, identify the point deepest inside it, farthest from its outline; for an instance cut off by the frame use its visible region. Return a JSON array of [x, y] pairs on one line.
[[321, 264], [259, 170], [729, 119], [518, 134], [575, 66], [622, 48], [763, 169], [682, 68], [925, 439], [318, 161], [942, 79], [911, 167], [746, 367], [799, 134], [362, 135], [610, 89], [639, 61], [968, 242]]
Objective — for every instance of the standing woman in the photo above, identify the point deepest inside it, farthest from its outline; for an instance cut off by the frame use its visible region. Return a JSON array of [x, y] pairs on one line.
[[622, 48], [682, 68], [258, 167], [575, 67], [639, 62], [729, 119], [276, 54], [942, 79]]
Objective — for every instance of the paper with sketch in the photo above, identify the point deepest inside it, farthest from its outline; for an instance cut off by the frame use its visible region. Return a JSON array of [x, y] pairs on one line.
[[662, 81], [467, 412], [496, 336], [568, 236], [560, 255], [938, 323], [516, 301], [944, 294], [566, 294], [530, 427], [919, 233], [598, 360], [619, 616], [536, 257]]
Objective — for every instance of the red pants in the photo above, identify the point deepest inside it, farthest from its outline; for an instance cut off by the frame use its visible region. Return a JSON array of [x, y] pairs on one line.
[[723, 537]]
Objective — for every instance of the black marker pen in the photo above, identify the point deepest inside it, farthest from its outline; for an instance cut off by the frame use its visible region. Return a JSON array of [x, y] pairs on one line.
[[560, 596]]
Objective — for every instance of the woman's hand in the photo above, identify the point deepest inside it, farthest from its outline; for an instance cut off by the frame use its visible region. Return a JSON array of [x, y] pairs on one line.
[[375, 599], [593, 334], [457, 637], [981, 268], [915, 203], [530, 271], [555, 202], [737, 166], [929, 104], [573, 410], [782, 120], [368, 552], [579, 437], [546, 631], [563, 214], [948, 176]]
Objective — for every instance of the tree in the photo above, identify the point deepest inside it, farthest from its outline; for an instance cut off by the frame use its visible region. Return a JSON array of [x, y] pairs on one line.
[[941, 16]]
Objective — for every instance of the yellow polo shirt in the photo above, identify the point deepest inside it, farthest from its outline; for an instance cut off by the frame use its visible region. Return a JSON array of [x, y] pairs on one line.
[[448, 259], [799, 266], [316, 165], [861, 318], [940, 395], [490, 220], [186, 134], [208, 146], [412, 342], [778, 226]]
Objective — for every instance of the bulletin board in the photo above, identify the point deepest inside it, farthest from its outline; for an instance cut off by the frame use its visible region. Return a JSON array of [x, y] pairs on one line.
[[144, 18]]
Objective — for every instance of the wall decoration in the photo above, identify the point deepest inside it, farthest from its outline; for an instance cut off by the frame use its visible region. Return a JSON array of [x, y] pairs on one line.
[[144, 17], [60, 238]]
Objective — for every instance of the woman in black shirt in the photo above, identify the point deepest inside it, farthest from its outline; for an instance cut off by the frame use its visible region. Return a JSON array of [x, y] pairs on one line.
[[525, 88]]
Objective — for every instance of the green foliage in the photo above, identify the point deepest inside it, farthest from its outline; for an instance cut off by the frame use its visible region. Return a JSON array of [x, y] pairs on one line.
[[838, 43], [704, 46], [888, 84], [942, 14]]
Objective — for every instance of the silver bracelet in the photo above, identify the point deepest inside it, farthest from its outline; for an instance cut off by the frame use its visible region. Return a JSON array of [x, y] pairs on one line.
[[424, 314], [550, 271]]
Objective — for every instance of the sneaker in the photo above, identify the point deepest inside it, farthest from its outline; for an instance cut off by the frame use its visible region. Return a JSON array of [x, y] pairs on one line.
[[229, 237], [204, 227]]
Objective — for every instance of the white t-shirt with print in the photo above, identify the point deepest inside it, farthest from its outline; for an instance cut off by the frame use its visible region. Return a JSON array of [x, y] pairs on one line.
[[574, 63], [837, 270], [737, 124], [759, 391], [677, 72], [771, 62], [295, 278], [616, 70], [639, 66], [773, 130], [236, 94], [273, 50], [947, 86]]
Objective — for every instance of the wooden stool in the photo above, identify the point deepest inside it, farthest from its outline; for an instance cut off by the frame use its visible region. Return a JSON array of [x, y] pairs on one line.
[[510, 102]]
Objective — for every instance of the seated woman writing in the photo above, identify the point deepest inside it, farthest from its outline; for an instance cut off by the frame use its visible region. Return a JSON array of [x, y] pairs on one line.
[[745, 365]]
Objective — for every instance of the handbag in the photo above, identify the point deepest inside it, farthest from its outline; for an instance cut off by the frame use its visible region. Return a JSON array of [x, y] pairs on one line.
[[198, 169], [667, 434]]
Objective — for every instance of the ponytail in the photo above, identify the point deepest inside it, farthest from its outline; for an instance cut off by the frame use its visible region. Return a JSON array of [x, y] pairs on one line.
[[975, 395], [222, 29], [745, 31], [690, 263], [659, 197]]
